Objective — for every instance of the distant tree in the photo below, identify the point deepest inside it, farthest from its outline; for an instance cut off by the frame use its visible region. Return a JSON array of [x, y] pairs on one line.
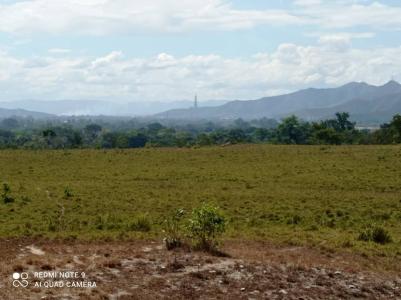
[[343, 121], [121, 140], [6, 138], [236, 136], [293, 131], [389, 133], [109, 140], [395, 126], [261, 135], [204, 139], [326, 136], [93, 131], [137, 140], [183, 139], [62, 137], [49, 133]]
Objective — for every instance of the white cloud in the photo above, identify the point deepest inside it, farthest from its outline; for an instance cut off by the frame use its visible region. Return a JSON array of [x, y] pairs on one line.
[[101, 17], [165, 77], [351, 13], [106, 17]]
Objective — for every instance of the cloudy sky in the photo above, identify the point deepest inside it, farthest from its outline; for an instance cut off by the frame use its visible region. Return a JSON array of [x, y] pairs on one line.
[[165, 50]]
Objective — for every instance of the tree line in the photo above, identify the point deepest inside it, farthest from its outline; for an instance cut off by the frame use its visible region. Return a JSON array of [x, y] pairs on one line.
[[20, 134]]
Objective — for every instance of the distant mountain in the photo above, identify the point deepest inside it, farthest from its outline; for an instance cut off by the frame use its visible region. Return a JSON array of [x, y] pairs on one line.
[[95, 108], [364, 101], [21, 113]]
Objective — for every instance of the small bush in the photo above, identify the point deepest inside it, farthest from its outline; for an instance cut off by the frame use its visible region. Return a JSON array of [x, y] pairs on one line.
[[5, 195], [205, 225], [141, 224], [378, 235], [172, 227]]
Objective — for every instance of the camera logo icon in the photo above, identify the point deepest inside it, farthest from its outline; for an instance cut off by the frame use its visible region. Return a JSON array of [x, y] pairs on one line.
[[20, 279]]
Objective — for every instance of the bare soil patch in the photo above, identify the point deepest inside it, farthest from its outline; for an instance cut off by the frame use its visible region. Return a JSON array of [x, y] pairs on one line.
[[145, 270]]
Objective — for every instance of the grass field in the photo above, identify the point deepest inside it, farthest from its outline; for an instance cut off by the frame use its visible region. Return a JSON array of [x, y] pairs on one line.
[[301, 195]]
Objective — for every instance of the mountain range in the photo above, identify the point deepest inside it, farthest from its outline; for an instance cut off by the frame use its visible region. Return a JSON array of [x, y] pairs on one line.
[[366, 103]]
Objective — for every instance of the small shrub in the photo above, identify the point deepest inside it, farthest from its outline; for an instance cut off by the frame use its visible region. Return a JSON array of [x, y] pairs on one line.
[[378, 235], [381, 236], [205, 225], [141, 224], [172, 227], [5, 195]]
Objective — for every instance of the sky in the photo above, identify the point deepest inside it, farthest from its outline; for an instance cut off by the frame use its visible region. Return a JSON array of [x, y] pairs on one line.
[[168, 50]]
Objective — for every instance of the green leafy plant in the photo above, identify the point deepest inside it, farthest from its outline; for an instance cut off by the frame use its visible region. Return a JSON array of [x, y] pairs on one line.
[[172, 227], [205, 226], [5, 195]]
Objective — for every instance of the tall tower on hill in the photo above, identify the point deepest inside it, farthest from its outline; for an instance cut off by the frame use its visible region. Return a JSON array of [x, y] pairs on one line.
[[196, 101]]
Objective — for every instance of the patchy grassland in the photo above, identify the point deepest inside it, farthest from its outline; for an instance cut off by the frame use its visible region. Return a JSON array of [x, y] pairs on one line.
[[302, 195]]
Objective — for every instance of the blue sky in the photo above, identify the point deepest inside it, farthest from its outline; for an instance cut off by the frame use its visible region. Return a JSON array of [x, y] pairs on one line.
[[162, 50]]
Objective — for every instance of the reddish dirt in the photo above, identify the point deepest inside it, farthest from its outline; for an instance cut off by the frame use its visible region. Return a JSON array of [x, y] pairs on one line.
[[145, 270]]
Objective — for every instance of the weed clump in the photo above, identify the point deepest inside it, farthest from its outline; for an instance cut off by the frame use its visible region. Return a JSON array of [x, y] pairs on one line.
[[172, 227], [57, 222], [377, 235], [294, 220], [142, 224], [5, 195], [68, 193]]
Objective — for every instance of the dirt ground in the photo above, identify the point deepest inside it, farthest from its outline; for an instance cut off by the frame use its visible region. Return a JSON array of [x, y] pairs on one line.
[[145, 270]]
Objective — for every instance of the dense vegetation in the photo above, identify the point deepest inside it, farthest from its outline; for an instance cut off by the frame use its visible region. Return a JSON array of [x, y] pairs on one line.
[[84, 133], [345, 197]]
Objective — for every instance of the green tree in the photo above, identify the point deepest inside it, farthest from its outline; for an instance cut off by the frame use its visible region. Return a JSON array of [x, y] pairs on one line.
[[293, 131]]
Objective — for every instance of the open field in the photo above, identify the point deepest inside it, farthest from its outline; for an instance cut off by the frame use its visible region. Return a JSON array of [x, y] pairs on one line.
[[315, 196]]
